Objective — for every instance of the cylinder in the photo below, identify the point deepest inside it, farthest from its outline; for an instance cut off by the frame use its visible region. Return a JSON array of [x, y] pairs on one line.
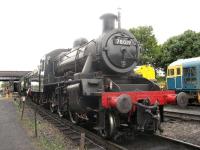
[[123, 103]]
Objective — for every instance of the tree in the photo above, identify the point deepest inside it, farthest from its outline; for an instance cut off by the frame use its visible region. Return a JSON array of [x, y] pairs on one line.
[[150, 48], [185, 45]]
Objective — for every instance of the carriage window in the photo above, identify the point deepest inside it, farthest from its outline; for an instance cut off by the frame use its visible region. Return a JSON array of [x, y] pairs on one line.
[[178, 70]]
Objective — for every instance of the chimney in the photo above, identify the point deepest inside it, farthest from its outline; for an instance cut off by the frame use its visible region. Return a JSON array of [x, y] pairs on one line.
[[108, 22]]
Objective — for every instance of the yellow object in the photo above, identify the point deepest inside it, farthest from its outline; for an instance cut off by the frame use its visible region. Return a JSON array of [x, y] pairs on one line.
[[146, 71]]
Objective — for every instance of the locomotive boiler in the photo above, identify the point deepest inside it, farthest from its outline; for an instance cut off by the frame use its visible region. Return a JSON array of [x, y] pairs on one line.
[[115, 51], [93, 81]]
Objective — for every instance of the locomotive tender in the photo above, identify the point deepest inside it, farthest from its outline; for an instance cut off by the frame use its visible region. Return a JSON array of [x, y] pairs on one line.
[[93, 81]]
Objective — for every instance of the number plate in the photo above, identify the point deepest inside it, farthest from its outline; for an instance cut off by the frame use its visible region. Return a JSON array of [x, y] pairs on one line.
[[121, 41]]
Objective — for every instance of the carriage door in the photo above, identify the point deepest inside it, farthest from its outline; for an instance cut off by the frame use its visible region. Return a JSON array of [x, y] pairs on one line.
[[178, 78]]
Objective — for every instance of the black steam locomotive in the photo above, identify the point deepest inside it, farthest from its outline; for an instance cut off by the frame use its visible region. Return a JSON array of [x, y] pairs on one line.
[[93, 82]]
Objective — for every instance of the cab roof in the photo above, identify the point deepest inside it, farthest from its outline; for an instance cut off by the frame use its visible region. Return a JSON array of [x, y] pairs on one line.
[[195, 60]]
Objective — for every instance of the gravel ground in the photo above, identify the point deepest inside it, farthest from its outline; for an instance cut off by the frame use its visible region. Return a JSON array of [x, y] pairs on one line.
[[182, 130]]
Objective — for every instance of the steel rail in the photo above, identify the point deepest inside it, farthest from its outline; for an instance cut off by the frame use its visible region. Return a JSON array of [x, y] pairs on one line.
[[182, 115], [181, 142]]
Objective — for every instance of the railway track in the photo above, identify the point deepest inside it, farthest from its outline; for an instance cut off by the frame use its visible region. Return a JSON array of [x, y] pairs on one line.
[[182, 115], [158, 142], [94, 142], [73, 132], [179, 142]]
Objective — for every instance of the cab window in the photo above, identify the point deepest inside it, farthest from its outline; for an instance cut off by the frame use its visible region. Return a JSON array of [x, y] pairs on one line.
[[170, 72], [178, 71]]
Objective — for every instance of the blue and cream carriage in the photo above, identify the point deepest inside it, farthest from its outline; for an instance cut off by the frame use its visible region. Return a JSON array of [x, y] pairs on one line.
[[183, 76]]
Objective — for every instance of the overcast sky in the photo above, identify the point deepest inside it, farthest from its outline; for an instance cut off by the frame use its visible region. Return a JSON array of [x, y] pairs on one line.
[[31, 28]]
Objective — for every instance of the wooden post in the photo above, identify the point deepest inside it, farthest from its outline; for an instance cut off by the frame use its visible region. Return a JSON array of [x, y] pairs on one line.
[[82, 141], [35, 120], [23, 103], [20, 103]]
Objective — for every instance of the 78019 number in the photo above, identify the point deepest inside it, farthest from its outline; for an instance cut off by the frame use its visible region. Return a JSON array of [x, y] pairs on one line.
[[119, 41]]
